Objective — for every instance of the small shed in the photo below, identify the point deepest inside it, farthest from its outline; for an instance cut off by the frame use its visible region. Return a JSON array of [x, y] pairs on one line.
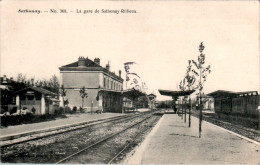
[[37, 99]]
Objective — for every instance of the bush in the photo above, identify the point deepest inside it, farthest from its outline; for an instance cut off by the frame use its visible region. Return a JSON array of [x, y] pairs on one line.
[[74, 109], [82, 110], [61, 111], [33, 110], [14, 120], [56, 111], [14, 110], [67, 110]]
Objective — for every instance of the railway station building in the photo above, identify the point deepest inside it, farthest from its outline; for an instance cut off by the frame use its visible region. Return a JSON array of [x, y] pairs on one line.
[[104, 88]]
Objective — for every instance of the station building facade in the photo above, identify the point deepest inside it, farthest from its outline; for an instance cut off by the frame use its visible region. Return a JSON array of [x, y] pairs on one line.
[[102, 86]]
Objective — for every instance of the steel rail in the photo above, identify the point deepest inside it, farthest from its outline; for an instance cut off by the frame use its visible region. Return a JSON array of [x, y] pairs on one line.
[[126, 146], [101, 141], [63, 130]]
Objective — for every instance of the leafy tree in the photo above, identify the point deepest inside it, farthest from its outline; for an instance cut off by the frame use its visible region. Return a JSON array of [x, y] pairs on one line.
[[52, 84], [83, 94], [201, 72]]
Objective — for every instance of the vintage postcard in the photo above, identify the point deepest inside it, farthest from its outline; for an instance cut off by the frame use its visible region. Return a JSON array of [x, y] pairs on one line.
[[130, 82]]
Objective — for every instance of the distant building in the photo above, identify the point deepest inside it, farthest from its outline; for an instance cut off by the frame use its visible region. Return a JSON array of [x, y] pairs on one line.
[[39, 99], [236, 102], [102, 85]]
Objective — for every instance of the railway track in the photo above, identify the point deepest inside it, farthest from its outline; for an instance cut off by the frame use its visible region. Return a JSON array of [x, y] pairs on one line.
[[29, 136], [249, 133], [53, 147], [73, 158]]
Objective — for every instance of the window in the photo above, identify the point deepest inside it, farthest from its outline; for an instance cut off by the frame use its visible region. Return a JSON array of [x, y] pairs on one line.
[[38, 96], [30, 97], [22, 97]]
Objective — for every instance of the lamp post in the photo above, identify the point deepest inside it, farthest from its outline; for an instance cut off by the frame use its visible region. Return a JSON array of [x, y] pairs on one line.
[[189, 111], [185, 109], [258, 115]]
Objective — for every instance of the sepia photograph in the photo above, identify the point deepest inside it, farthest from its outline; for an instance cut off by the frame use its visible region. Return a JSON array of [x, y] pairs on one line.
[[130, 82]]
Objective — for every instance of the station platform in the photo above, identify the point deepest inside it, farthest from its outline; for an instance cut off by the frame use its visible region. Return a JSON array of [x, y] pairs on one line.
[[59, 122], [172, 142]]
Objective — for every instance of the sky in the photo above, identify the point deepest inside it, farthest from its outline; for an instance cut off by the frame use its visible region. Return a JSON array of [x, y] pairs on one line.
[[161, 37]]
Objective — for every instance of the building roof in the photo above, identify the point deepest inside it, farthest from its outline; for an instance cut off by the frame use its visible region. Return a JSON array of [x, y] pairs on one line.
[[130, 93], [38, 89], [88, 63], [89, 66], [223, 93], [133, 93], [175, 93]]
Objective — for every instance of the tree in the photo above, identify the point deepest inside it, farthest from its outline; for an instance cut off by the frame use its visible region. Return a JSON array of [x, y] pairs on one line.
[[54, 84], [83, 94], [201, 72], [190, 79], [63, 93], [21, 78]]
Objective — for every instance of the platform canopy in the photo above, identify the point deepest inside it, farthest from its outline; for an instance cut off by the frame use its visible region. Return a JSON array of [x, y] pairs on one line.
[[223, 93], [130, 93], [175, 94]]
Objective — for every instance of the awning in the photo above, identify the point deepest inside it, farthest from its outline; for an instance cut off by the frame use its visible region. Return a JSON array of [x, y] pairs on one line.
[[175, 93]]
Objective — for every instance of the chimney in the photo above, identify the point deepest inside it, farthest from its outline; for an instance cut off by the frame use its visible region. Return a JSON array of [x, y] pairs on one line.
[[108, 67], [97, 61], [4, 79], [81, 62], [119, 73]]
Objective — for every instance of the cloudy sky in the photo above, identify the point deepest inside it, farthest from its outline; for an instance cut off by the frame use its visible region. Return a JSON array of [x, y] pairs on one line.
[[161, 37]]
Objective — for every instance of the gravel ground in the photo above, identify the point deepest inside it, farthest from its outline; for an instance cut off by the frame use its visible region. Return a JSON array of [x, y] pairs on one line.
[[54, 148]]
